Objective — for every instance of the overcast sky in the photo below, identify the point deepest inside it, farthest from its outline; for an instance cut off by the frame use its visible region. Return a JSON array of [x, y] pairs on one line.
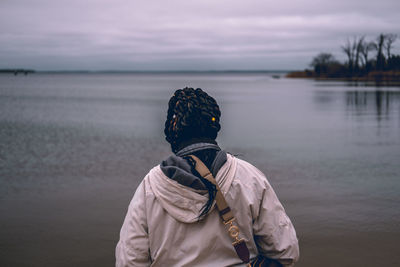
[[184, 35]]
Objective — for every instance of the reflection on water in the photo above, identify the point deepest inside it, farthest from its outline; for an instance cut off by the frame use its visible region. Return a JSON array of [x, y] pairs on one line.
[[382, 102], [375, 105]]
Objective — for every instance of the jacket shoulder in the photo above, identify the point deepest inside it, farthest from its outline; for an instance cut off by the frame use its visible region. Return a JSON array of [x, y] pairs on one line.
[[248, 170]]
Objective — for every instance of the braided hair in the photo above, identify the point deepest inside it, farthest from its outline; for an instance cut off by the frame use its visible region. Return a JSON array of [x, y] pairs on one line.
[[192, 113]]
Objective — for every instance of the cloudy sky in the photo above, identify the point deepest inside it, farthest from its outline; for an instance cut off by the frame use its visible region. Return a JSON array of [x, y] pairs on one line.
[[184, 35]]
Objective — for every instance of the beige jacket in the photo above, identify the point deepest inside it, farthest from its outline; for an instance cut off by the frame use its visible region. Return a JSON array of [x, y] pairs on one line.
[[161, 227]]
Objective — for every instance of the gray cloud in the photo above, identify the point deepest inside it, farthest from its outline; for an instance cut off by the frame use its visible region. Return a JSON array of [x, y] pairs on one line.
[[122, 34]]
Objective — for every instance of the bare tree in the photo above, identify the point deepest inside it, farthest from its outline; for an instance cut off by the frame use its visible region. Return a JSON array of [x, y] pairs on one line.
[[348, 49], [366, 48], [353, 49], [390, 39], [380, 58], [358, 47], [322, 62]]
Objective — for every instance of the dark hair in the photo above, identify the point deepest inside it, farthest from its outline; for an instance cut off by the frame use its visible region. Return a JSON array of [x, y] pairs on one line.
[[191, 114]]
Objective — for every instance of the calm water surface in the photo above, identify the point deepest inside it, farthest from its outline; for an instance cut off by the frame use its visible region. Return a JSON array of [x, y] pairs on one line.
[[70, 143]]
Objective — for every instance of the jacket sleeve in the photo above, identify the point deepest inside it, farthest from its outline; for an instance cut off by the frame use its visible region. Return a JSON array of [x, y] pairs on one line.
[[274, 233], [133, 246]]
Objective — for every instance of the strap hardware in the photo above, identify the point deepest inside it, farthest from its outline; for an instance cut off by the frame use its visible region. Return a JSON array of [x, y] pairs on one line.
[[225, 213], [233, 230]]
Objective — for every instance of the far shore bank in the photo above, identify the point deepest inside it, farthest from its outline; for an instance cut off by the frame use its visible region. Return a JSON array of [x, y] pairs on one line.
[[386, 78]]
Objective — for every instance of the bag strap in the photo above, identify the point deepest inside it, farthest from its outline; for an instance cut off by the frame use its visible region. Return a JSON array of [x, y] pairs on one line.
[[225, 212]]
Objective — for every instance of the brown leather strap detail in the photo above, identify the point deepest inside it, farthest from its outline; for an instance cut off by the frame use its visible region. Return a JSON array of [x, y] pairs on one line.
[[242, 251], [224, 211]]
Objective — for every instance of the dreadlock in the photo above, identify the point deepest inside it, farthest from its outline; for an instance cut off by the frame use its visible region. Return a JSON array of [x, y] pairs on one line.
[[193, 114], [211, 188]]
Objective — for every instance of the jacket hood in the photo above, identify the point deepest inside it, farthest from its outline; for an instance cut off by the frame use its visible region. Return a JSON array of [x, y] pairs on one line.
[[178, 169], [184, 202]]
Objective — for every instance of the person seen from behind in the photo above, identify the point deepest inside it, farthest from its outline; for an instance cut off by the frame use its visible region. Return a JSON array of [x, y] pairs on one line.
[[203, 206]]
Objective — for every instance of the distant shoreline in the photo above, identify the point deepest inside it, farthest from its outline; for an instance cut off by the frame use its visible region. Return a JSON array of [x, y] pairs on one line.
[[390, 78], [17, 71], [141, 71]]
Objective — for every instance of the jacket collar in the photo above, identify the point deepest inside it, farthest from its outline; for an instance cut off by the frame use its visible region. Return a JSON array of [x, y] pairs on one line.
[[187, 150]]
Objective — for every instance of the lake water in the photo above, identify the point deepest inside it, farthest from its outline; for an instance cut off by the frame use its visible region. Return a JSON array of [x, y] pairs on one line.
[[73, 148]]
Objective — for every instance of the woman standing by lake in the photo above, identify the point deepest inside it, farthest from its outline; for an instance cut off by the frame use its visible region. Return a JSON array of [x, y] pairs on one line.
[[173, 217]]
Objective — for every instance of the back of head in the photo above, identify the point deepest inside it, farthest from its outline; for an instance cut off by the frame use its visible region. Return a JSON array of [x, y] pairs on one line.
[[192, 114]]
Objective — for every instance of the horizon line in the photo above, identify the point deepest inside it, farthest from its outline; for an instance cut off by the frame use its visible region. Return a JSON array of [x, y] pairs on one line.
[[143, 71]]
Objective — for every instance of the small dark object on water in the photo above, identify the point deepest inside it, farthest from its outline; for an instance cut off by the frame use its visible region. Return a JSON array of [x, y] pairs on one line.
[[276, 76]]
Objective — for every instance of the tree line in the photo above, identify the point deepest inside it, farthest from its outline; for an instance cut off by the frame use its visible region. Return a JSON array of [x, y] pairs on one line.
[[363, 57]]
